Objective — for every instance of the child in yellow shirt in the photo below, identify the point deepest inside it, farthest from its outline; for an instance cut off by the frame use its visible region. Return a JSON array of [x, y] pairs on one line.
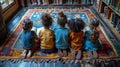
[[46, 35]]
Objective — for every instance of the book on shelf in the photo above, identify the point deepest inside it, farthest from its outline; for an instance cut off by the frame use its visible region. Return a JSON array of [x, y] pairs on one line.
[[112, 3], [118, 26], [112, 16], [69, 1], [117, 19], [87, 1], [105, 10]]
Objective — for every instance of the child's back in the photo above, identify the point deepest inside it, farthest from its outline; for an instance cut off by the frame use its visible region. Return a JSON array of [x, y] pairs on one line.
[[76, 40], [61, 35], [46, 35], [47, 38], [28, 39], [76, 37]]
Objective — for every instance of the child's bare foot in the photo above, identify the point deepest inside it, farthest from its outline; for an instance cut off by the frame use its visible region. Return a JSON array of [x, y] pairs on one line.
[[89, 53], [65, 53], [60, 53], [24, 52], [29, 54], [73, 54], [95, 55], [78, 57]]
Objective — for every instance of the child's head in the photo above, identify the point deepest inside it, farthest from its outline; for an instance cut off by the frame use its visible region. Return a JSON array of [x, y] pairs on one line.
[[94, 23], [94, 36], [76, 25], [46, 20], [27, 24], [62, 19]]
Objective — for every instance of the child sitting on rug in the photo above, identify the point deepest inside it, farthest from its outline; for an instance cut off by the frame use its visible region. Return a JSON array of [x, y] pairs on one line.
[[27, 38], [61, 35], [46, 36], [91, 42], [76, 37]]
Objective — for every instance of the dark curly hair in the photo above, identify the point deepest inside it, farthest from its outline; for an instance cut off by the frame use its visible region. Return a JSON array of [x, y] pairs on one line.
[[27, 24], [62, 19], [46, 20], [76, 25], [94, 23]]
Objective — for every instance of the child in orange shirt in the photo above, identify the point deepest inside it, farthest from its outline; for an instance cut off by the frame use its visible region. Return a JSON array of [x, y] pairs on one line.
[[46, 35], [76, 37]]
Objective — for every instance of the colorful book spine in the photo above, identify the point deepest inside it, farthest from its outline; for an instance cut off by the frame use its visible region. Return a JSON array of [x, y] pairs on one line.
[[69, 1], [118, 25], [60, 1], [28, 2], [44, 2], [35, 1], [76, 1], [111, 16], [39, 2], [116, 20], [109, 13], [32, 1], [105, 10]]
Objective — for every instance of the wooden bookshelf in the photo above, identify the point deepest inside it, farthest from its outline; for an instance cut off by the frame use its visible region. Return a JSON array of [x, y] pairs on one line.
[[112, 8], [108, 9], [111, 27]]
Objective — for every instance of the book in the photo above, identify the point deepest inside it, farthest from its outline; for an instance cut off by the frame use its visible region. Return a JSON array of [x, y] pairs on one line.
[[69, 1], [111, 16], [39, 2], [117, 19]]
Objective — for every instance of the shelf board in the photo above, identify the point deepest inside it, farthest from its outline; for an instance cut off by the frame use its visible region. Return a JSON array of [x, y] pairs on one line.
[[112, 8], [110, 26]]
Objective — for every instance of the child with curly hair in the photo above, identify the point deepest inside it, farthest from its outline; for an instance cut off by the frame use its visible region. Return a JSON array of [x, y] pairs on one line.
[[61, 35], [46, 35], [76, 37], [28, 38], [91, 42]]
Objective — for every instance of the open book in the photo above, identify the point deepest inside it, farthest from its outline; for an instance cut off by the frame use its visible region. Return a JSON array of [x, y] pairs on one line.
[[37, 30]]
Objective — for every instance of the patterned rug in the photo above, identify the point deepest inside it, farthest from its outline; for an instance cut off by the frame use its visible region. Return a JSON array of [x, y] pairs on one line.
[[13, 49]]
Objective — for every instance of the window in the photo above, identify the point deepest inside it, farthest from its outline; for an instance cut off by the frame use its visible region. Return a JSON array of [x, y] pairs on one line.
[[5, 3]]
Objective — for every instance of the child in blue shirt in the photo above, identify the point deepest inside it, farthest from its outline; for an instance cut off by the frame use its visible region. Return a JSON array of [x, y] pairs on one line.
[[91, 42], [27, 38], [61, 35]]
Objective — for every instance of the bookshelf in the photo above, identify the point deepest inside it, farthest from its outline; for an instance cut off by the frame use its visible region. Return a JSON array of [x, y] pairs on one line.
[[112, 8], [56, 2], [110, 11]]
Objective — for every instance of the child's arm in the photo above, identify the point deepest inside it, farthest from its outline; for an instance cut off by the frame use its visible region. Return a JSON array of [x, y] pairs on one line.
[[69, 39]]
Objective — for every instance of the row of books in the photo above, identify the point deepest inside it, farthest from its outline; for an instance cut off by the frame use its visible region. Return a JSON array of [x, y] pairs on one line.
[[61, 1], [113, 4], [113, 17]]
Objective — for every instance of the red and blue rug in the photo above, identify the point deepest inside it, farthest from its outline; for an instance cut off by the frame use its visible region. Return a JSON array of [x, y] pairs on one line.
[[12, 48]]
